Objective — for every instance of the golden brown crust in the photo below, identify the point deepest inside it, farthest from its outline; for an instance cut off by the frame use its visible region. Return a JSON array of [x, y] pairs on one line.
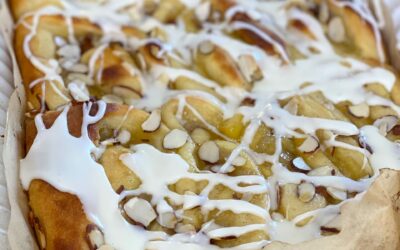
[[359, 31], [21, 7], [43, 47], [60, 217]]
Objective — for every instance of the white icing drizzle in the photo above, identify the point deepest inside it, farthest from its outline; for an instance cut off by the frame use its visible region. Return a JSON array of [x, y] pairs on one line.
[[72, 169], [101, 209]]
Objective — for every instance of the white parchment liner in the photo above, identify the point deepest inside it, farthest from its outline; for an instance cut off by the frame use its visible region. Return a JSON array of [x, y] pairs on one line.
[[6, 89], [373, 222]]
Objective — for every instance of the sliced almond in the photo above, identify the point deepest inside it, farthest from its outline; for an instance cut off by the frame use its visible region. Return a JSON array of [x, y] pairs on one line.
[[167, 220], [239, 161], [106, 247], [323, 14], [134, 13], [141, 61], [140, 211], [112, 99], [249, 68], [360, 110], [79, 91], [79, 68], [124, 136], [299, 163], [125, 92], [277, 216], [149, 6], [95, 236], [247, 196], [202, 12], [209, 151], [155, 51], [69, 51], [200, 135], [291, 107], [79, 76], [185, 228], [153, 122], [324, 171], [41, 239], [206, 47], [336, 30], [158, 33], [59, 41], [164, 79], [306, 191], [309, 145], [175, 139], [67, 63], [385, 124], [336, 193]]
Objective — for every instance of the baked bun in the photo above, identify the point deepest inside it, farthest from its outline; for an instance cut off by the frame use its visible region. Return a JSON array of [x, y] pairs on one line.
[[200, 124]]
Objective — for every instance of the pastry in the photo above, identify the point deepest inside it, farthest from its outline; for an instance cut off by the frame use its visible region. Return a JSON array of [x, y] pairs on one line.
[[179, 124]]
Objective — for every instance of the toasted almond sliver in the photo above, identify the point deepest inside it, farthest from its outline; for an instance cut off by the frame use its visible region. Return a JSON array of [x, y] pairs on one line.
[[277, 216], [41, 239], [360, 110], [96, 237], [79, 91], [200, 135], [209, 151], [112, 99], [141, 61], [247, 196], [125, 92], [106, 247], [163, 79], [206, 47], [185, 228], [338, 194], [67, 63], [306, 191], [153, 122], [124, 136], [167, 220], [299, 163], [291, 107], [155, 51], [323, 14], [140, 211], [59, 41], [249, 68], [336, 30], [69, 51], [79, 68], [175, 139], [239, 161], [202, 12], [309, 145], [82, 77], [385, 123], [323, 171]]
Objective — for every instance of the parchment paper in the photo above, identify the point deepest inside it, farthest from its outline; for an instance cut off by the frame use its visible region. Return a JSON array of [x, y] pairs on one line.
[[6, 88], [20, 235], [370, 223]]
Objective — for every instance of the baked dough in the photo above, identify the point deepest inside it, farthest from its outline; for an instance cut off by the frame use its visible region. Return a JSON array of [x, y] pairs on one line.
[[200, 124]]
